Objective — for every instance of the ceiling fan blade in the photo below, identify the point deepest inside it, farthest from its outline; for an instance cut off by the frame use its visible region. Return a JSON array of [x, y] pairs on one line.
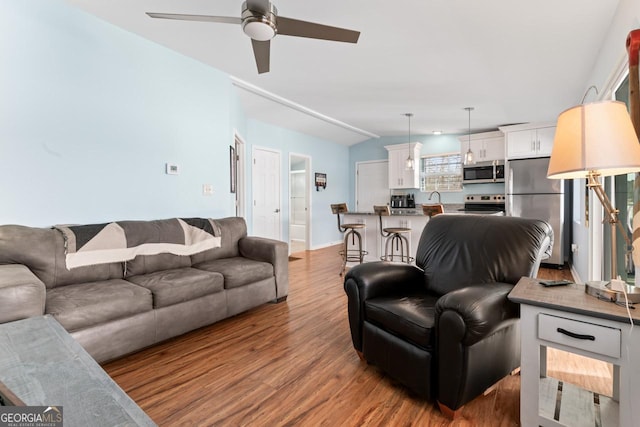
[[261, 51], [295, 27], [258, 5], [205, 18]]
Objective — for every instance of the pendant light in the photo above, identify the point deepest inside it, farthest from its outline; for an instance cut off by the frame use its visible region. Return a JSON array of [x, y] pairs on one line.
[[469, 157], [409, 161]]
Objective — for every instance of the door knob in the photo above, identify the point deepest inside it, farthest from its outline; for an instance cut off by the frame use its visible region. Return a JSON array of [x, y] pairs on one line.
[[277, 211]]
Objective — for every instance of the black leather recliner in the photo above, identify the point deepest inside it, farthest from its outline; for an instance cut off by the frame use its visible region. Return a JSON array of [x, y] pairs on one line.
[[445, 328]]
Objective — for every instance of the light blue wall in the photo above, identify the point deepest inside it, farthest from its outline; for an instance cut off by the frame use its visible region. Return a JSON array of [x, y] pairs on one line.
[[90, 114], [326, 157]]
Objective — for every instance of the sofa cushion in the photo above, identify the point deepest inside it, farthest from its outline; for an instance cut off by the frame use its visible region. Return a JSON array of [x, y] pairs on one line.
[[87, 304], [232, 229], [143, 264], [411, 317], [238, 271], [179, 285], [42, 251]]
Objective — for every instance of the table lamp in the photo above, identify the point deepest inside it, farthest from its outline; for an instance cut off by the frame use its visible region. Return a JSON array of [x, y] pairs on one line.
[[594, 140]]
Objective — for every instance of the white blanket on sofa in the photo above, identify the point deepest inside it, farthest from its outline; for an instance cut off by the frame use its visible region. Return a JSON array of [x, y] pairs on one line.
[[124, 240]]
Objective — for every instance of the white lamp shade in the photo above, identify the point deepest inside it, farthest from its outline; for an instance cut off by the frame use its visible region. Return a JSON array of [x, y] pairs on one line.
[[596, 137]]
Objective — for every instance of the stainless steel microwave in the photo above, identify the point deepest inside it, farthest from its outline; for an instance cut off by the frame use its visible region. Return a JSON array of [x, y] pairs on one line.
[[483, 172]]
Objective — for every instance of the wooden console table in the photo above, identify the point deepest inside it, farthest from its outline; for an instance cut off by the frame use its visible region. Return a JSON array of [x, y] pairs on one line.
[[42, 365], [566, 318]]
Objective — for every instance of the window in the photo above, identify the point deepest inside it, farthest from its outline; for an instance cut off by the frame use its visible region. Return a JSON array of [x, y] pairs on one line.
[[623, 200], [442, 172]]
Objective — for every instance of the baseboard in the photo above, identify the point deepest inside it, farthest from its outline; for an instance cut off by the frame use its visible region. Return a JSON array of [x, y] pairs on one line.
[[326, 245], [574, 273]]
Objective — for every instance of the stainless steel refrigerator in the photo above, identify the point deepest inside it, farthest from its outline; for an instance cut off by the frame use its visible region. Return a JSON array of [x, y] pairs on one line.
[[530, 194]]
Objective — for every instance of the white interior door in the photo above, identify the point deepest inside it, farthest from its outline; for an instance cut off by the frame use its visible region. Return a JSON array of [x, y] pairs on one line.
[[372, 185], [266, 193]]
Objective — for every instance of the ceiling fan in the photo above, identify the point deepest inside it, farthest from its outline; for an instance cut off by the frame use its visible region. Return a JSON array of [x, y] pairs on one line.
[[260, 21]]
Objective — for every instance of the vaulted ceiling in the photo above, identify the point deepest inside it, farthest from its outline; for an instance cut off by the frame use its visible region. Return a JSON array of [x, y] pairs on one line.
[[514, 61]]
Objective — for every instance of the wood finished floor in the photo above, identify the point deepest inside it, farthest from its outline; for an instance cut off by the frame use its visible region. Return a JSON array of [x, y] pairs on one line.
[[293, 364]]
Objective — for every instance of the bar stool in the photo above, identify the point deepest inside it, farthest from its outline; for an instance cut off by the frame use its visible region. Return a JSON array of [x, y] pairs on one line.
[[356, 253], [394, 238]]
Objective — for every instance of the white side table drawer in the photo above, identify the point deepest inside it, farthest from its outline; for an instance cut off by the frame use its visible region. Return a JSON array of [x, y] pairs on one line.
[[585, 336]]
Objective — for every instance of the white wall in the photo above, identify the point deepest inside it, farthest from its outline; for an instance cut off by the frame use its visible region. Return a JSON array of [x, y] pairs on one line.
[[612, 53]]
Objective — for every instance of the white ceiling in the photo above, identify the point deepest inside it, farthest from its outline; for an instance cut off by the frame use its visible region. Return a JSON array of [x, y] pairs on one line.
[[513, 60]]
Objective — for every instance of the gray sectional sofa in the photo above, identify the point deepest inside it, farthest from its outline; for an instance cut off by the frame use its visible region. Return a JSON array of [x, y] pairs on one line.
[[119, 307]]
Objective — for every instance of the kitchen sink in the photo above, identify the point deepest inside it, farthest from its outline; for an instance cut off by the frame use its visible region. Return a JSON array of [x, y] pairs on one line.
[[432, 210]]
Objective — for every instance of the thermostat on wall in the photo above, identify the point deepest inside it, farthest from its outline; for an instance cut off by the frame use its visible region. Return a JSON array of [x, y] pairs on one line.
[[173, 169]]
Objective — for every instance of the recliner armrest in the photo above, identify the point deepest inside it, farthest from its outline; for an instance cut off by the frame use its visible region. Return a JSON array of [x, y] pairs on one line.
[[474, 312], [374, 279], [22, 294], [379, 278], [477, 341], [272, 251]]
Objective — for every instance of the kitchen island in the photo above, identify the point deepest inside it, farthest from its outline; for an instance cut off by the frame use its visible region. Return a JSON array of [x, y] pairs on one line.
[[372, 240]]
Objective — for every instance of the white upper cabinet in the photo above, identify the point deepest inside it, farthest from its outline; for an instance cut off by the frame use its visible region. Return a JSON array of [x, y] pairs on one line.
[[487, 146], [399, 175], [529, 140]]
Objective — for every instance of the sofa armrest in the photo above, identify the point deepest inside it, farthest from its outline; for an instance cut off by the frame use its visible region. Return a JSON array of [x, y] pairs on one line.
[[22, 294], [373, 279], [272, 251], [472, 313]]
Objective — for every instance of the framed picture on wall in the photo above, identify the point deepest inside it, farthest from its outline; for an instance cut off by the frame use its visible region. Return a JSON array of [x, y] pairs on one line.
[[232, 169]]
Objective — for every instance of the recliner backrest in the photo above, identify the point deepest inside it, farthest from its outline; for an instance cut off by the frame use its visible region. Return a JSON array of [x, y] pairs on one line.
[[456, 251]]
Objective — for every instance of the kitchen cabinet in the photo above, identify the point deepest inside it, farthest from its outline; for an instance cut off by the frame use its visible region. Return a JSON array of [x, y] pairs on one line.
[[486, 147], [399, 175], [529, 140]]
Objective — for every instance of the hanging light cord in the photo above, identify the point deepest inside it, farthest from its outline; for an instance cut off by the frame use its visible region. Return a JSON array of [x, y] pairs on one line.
[[410, 153], [469, 111]]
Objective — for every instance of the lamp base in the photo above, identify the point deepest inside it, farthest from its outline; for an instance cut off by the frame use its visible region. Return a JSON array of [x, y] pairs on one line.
[[603, 291]]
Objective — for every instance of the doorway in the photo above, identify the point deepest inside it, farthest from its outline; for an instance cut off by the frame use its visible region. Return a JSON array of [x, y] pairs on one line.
[[239, 201], [266, 193], [299, 202], [372, 185]]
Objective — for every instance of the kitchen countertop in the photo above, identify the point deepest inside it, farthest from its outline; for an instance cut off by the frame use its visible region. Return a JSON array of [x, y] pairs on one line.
[[448, 208]]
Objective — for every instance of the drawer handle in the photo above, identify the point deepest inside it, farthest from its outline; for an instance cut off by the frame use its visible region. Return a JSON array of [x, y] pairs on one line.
[[577, 336]]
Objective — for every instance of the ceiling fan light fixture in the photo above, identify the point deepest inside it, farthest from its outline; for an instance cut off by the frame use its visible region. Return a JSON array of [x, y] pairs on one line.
[[259, 30], [259, 25]]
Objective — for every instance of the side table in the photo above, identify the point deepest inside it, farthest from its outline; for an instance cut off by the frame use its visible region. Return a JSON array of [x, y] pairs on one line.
[[568, 319], [42, 365]]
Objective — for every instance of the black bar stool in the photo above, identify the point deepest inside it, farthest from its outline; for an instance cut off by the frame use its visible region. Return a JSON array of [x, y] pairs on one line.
[[395, 238], [356, 253]]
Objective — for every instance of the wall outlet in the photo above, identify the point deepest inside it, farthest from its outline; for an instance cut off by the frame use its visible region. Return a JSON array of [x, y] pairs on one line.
[[207, 189], [574, 248]]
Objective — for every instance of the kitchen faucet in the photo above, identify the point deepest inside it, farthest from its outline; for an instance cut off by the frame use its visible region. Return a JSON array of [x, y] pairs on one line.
[[438, 193]]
